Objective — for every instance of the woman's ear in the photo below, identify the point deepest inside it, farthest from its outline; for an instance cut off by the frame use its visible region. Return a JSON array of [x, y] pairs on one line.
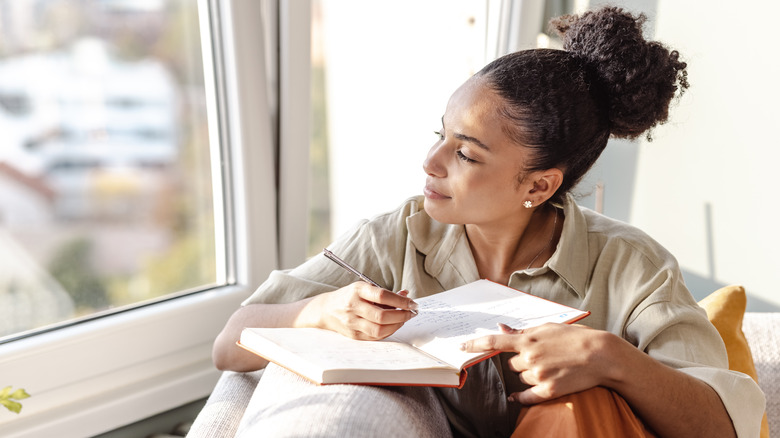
[[546, 183]]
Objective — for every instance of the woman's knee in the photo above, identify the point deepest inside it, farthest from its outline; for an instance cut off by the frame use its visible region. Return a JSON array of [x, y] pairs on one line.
[[596, 412]]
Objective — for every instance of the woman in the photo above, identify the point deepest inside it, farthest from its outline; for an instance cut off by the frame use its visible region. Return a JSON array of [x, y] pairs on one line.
[[515, 138]]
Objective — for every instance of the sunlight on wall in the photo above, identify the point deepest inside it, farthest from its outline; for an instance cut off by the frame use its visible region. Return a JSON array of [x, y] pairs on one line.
[[399, 79], [706, 187]]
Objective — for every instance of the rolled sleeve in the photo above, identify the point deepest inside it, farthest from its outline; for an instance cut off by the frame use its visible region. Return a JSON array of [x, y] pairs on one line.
[[670, 342], [375, 247], [739, 393]]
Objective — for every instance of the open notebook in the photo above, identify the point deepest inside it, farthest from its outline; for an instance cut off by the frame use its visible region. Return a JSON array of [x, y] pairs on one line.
[[425, 351]]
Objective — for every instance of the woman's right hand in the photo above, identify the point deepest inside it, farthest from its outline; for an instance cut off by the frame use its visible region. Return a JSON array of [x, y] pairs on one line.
[[359, 311]]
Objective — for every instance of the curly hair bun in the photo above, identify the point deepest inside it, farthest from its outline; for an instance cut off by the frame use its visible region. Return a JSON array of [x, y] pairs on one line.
[[638, 78]]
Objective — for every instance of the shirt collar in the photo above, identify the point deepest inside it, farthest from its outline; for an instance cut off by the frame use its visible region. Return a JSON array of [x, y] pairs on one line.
[[571, 260], [447, 252], [448, 255]]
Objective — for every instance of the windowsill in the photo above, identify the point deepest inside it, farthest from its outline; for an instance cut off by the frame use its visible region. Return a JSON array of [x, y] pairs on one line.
[[103, 374]]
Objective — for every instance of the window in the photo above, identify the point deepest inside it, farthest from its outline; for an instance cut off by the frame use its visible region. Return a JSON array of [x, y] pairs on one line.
[[105, 176], [206, 200]]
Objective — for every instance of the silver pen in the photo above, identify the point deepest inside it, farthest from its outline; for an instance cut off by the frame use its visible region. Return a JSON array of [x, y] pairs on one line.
[[349, 268], [336, 259]]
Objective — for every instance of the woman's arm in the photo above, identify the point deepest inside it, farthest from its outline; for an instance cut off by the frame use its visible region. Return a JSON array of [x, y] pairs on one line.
[[227, 356], [359, 311], [557, 360], [670, 402]]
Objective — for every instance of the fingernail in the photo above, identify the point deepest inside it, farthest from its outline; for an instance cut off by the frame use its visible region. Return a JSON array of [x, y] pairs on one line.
[[412, 305]]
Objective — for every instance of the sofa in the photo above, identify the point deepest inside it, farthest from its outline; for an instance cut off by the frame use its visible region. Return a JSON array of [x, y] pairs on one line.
[[762, 331], [225, 407]]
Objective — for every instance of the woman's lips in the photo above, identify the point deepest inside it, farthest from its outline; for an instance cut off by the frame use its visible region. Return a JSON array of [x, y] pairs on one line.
[[433, 194]]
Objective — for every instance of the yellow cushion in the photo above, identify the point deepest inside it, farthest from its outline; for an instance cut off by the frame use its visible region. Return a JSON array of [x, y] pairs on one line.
[[725, 309]]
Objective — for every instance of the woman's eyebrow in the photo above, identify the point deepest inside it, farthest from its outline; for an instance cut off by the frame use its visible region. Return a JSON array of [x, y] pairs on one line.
[[467, 138], [472, 140]]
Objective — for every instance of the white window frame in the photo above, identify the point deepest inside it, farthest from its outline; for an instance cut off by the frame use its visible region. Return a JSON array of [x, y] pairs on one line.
[[98, 375]]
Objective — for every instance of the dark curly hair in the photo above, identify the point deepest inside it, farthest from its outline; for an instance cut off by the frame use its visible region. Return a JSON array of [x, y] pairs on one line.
[[607, 81]]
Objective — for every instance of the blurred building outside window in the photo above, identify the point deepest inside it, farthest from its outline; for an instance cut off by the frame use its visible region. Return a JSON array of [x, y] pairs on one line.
[[105, 180]]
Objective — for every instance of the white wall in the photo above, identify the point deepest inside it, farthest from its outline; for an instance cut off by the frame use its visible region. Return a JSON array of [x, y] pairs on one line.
[[388, 82], [725, 157], [705, 186]]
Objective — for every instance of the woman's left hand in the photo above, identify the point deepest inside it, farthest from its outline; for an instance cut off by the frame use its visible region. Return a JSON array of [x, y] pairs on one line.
[[554, 359]]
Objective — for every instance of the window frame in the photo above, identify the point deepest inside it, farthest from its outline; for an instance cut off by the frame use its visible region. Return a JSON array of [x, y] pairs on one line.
[[97, 375]]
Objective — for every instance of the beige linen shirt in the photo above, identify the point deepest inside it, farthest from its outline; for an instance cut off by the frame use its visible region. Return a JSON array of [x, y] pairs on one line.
[[631, 285]]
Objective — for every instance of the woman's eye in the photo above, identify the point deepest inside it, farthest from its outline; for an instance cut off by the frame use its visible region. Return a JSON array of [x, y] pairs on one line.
[[439, 134], [464, 157]]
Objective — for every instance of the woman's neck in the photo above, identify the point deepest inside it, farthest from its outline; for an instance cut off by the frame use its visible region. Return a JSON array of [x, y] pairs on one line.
[[500, 251]]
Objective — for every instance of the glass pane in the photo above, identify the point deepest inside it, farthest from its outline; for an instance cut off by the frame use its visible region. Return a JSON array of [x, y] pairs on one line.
[[319, 187], [105, 180]]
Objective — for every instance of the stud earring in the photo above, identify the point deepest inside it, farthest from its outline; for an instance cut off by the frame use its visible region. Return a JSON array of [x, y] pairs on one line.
[[528, 204]]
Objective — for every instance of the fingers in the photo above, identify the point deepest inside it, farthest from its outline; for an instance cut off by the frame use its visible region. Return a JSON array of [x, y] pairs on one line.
[[384, 297], [509, 330], [503, 342], [377, 315], [382, 324], [531, 396], [507, 341], [382, 306], [368, 331], [370, 313]]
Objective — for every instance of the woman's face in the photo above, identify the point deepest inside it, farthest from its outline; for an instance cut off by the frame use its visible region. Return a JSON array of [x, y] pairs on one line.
[[473, 168]]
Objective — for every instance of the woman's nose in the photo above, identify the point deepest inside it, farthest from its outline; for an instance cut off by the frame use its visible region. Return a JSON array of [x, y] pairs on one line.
[[433, 165]]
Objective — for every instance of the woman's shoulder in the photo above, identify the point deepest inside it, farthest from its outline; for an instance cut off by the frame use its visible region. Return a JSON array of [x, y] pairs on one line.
[[624, 261], [410, 221], [615, 235], [408, 207]]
